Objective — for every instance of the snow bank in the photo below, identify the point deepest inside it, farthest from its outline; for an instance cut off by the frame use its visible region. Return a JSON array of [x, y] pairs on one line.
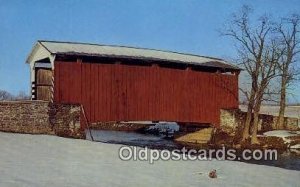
[[41, 160], [282, 133], [297, 146]]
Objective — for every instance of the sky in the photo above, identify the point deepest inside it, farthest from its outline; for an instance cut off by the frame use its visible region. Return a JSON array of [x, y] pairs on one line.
[[190, 26]]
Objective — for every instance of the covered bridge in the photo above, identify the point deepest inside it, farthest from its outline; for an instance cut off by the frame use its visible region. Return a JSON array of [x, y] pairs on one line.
[[118, 83]]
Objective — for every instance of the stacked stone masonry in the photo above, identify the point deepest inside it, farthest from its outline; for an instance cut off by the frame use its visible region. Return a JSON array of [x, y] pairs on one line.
[[40, 117]]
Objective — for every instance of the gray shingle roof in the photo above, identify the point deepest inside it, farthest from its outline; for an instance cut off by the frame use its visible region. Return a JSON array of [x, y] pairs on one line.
[[72, 48]]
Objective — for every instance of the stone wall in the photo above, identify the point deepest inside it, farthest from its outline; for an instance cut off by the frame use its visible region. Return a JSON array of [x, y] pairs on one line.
[[25, 117], [231, 120], [65, 119], [40, 117]]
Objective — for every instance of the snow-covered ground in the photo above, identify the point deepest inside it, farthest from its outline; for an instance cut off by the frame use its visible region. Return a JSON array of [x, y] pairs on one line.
[[291, 111], [282, 133], [41, 160]]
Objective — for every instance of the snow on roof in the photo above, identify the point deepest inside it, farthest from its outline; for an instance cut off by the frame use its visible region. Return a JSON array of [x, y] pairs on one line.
[[86, 49]]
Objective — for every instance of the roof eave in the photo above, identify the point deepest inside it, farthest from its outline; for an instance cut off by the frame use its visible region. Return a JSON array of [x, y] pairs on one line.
[[231, 68], [33, 50]]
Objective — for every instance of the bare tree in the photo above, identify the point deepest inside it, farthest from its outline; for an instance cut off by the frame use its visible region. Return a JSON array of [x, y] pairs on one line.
[[288, 30], [258, 54], [4, 95], [267, 72]]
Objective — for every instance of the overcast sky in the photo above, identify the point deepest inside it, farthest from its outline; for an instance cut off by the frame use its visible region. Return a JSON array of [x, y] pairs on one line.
[[177, 25]]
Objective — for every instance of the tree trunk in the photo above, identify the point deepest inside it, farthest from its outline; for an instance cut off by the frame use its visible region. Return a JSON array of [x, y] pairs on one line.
[[247, 123], [248, 117], [254, 139], [280, 119]]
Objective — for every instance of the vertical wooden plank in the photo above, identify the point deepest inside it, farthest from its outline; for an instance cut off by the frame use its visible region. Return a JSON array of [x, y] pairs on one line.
[[100, 96], [89, 92], [86, 89], [83, 88], [92, 90], [96, 94], [114, 95], [77, 84], [63, 75], [109, 91], [124, 93], [56, 82]]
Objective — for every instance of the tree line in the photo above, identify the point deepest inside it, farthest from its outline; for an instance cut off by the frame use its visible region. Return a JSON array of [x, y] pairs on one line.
[[6, 96]]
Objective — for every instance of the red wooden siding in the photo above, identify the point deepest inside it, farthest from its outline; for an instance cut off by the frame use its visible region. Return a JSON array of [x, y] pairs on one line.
[[117, 92]]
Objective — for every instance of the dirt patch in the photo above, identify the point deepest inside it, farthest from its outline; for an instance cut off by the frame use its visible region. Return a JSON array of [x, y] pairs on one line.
[[222, 138], [272, 143]]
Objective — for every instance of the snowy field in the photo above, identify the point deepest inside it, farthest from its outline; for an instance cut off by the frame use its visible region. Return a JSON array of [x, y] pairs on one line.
[[41, 160], [291, 111]]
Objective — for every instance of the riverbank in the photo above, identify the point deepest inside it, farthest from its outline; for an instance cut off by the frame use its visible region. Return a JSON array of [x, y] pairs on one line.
[[42, 160]]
